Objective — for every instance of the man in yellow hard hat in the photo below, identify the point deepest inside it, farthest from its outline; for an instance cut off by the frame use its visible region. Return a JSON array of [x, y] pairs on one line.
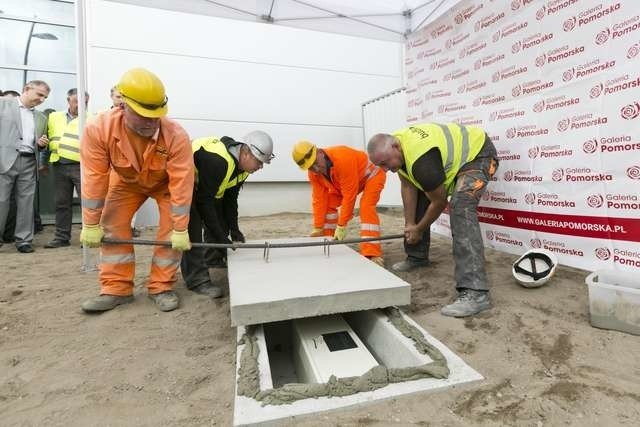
[[337, 175], [222, 166], [147, 155], [436, 161]]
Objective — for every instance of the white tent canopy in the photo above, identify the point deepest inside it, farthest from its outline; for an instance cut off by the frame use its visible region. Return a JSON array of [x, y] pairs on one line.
[[377, 19]]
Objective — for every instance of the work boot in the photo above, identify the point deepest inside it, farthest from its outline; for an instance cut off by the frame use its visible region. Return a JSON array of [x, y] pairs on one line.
[[468, 303], [378, 260], [56, 243], [207, 289], [409, 264], [166, 301], [105, 303]]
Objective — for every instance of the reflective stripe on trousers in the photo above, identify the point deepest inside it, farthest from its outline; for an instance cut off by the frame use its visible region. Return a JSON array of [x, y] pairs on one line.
[[117, 267], [369, 220]]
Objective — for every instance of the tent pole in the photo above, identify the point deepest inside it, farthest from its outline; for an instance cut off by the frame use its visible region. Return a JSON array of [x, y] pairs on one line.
[[81, 77]]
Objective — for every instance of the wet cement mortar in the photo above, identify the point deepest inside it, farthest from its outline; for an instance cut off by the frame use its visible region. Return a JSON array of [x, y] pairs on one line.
[[377, 377]]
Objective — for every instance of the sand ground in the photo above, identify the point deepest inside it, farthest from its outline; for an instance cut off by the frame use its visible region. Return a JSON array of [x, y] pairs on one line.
[[135, 366]]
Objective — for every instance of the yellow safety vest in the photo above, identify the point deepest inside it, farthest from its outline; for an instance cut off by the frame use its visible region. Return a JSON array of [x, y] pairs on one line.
[[55, 129], [214, 145], [64, 139], [458, 145]]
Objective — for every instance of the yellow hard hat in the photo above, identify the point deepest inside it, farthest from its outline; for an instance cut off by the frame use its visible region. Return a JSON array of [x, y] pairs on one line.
[[304, 154], [143, 92]]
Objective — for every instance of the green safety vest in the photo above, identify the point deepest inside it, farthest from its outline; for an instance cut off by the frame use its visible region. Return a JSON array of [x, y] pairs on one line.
[[64, 139], [458, 145], [214, 145]]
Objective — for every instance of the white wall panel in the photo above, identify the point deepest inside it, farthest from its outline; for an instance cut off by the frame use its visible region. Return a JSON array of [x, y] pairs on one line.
[[385, 115], [226, 77], [201, 88], [282, 168]]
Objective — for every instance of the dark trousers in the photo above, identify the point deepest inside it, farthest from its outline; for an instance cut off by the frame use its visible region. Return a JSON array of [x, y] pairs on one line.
[[66, 178], [195, 262]]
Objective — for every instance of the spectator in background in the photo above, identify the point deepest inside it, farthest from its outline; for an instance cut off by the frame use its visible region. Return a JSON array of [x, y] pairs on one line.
[[116, 97], [22, 135], [10, 225], [64, 150]]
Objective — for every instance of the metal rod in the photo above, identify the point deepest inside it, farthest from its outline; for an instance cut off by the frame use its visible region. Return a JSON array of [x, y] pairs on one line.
[[265, 245]]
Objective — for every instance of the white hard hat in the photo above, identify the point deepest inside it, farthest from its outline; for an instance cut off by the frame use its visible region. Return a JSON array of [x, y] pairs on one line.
[[535, 268], [261, 145]]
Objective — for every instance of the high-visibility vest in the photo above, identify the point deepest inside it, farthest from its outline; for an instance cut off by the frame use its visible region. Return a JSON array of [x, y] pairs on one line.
[[56, 125], [214, 145], [64, 138], [458, 145]]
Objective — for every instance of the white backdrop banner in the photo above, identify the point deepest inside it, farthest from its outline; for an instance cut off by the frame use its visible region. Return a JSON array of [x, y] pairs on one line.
[[556, 84]]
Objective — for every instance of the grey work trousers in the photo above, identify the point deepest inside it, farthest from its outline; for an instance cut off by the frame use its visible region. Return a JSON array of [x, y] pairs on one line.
[[66, 178], [468, 248], [22, 176]]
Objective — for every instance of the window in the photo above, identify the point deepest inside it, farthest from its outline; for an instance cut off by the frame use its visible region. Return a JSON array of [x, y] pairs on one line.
[[38, 50]]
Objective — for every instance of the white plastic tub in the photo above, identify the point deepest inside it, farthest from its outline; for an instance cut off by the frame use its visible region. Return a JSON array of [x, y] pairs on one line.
[[614, 300]]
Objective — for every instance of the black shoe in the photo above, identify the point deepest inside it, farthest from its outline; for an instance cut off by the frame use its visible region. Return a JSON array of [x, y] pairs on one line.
[[25, 249], [207, 289], [56, 243]]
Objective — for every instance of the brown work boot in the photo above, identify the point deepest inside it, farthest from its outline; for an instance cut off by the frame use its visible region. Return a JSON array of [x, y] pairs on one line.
[[166, 301], [105, 303]]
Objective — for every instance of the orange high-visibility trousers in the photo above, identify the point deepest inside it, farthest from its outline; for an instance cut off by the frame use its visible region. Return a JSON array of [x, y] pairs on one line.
[[117, 262], [369, 220]]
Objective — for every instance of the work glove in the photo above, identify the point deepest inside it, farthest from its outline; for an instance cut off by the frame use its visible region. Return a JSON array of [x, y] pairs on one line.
[[91, 235], [237, 236], [316, 232], [340, 233], [180, 240]]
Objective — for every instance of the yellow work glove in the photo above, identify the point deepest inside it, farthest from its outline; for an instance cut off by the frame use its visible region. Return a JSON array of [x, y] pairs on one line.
[[316, 232], [340, 233], [91, 235], [180, 240]]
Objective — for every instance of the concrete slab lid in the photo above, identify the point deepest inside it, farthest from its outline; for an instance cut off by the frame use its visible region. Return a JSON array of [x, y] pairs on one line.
[[304, 282]]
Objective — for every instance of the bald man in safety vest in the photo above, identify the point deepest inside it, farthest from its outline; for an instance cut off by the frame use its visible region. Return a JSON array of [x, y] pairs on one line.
[[436, 162]]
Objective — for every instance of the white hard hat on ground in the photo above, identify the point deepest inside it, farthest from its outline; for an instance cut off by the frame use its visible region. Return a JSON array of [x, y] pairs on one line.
[[535, 268], [261, 145]]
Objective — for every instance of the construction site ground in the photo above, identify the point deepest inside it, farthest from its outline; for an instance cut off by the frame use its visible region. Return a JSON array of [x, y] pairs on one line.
[[136, 366]]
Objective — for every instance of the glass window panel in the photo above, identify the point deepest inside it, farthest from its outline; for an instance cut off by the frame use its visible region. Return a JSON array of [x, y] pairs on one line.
[[59, 83], [52, 46], [13, 41], [42, 9], [10, 80]]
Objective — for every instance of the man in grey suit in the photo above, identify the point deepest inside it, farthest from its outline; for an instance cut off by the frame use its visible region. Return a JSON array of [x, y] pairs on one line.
[[22, 134]]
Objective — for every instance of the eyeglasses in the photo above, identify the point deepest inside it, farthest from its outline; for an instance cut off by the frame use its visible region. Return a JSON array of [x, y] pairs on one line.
[[262, 153], [148, 106], [306, 157]]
